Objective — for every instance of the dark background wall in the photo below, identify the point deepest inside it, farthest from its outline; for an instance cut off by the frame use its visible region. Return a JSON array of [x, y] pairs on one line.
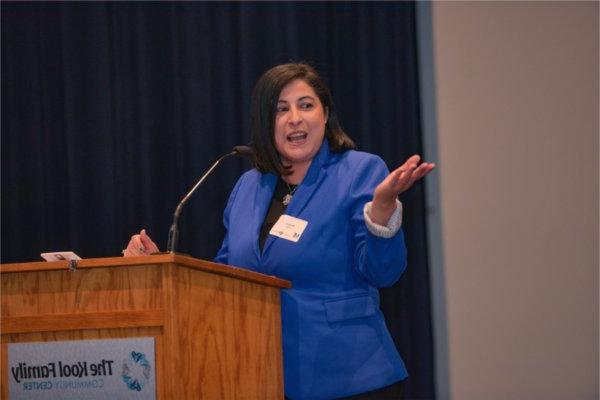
[[111, 111]]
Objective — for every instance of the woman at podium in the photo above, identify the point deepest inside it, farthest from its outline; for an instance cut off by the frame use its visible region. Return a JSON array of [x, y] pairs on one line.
[[325, 216]]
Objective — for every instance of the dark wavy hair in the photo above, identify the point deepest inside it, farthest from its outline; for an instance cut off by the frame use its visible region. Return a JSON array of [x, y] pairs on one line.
[[263, 110]]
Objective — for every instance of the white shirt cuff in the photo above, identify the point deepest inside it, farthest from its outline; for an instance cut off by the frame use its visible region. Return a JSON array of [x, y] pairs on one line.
[[393, 225]]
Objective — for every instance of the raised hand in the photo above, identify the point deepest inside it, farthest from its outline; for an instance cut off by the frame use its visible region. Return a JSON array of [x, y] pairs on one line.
[[399, 180]]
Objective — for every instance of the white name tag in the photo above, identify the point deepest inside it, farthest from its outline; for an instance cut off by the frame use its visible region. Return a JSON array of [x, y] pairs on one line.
[[289, 228]]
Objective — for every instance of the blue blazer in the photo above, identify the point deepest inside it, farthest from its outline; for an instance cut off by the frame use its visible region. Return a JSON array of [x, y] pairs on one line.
[[335, 341]]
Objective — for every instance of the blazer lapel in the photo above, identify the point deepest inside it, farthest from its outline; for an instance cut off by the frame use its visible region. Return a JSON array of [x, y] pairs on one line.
[[262, 201], [314, 178]]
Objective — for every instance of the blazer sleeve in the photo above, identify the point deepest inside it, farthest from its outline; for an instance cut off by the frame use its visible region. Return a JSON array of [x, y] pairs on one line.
[[380, 261], [223, 253]]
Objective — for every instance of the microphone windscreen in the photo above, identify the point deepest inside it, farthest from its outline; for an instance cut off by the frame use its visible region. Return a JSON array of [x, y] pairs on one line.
[[245, 151]]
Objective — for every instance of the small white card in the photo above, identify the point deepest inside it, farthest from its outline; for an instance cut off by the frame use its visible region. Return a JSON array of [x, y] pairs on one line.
[[289, 228], [60, 256]]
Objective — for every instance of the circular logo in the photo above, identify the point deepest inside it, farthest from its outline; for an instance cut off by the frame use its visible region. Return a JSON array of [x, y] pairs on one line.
[[136, 371]]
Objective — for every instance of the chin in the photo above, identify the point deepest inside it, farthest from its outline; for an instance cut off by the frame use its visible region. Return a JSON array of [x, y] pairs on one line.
[[300, 159]]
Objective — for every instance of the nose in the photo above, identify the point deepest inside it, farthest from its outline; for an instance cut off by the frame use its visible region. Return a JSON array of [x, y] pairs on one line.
[[294, 116]]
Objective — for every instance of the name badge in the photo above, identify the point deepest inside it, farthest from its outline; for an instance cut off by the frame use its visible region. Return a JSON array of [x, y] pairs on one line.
[[289, 228]]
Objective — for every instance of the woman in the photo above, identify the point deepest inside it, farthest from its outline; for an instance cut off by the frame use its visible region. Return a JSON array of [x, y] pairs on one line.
[[338, 237]]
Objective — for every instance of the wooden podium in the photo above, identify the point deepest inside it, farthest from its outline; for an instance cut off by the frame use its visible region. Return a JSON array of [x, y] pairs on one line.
[[217, 328]]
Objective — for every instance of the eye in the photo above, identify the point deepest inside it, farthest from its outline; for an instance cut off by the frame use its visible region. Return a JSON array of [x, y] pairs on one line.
[[306, 106], [282, 108]]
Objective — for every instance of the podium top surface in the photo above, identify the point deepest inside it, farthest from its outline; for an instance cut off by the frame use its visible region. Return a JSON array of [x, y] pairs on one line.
[[180, 260]]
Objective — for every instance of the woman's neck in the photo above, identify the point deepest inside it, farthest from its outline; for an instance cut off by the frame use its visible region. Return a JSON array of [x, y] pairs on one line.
[[298, 174]]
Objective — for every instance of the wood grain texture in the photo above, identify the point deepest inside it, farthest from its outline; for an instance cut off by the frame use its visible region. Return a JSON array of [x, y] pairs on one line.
[[96, 320], [228, 333], [91, 290], [182, 260], [217, 329]]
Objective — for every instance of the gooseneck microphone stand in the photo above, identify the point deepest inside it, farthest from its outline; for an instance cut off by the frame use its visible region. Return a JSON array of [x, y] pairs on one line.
[[174, 231]]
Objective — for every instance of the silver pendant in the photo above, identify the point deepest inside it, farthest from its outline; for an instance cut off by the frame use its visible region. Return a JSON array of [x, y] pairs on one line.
[[286, 199]]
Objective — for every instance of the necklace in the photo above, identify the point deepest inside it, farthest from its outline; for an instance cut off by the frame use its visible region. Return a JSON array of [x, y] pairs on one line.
[[288, 197]]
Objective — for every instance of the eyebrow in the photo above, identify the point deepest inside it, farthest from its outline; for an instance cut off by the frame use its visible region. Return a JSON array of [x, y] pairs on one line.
[[300, 99]]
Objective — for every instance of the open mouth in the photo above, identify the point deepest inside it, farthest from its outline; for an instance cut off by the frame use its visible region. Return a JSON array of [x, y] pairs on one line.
[[297, 137]]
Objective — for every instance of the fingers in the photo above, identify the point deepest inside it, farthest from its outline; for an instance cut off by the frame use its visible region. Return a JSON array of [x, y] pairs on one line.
[[148, 244], [421, 171], [413, 160], [404, 180], [140, 245], [134, 248], [396, 182], [401, 179], [411, 172], [395, 176]]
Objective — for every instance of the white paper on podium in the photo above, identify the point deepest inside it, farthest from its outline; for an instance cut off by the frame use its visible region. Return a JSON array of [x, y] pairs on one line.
[[60, 256]]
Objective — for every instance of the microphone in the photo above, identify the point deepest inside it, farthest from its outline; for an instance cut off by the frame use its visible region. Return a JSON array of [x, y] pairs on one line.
[[244, 151]]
